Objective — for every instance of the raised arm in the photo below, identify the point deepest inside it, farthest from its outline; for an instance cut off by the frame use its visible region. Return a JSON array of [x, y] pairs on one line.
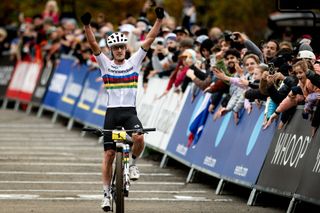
[[154, 30], [86, 19]]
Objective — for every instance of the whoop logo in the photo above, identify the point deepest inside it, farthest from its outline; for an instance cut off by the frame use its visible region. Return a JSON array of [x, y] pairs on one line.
[[254, 135], [222, 129]]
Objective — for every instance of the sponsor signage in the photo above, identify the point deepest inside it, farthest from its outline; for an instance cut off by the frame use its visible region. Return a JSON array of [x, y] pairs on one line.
[[284, 164], [6, 70], [310, 181], [57, 83]]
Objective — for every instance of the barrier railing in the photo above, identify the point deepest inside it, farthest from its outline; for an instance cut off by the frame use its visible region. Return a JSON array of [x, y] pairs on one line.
[[285, 162]]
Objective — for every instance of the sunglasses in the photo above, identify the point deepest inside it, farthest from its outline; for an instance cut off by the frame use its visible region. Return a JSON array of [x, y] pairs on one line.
[[117, 47]]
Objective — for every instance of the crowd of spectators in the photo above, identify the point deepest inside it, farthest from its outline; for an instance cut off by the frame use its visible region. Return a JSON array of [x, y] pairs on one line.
[[238, 73]]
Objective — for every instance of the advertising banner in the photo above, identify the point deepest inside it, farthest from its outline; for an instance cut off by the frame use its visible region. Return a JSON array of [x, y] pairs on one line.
[[17, 80], [251, 145], [98, 112], [57, 83], [235, 152], [213, 147], [30, 82], [24, 81], [284, 164], [73, 89], [43, 83], [310, 182], [177, 146], [6, 71], [88, 98]]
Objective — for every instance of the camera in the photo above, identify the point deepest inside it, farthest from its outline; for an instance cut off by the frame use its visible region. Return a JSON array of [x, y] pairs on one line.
[[271, 69], [227, 35], [234, 37], [230, 36]]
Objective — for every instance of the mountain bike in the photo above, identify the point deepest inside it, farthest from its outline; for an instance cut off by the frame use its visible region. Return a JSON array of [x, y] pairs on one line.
[[120, 183]]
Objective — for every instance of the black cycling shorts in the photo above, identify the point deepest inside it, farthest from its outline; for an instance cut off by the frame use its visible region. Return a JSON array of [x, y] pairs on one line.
[[125, 117]]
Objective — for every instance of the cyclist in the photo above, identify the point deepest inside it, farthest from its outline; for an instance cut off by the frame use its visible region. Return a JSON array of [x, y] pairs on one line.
[[120, 77]]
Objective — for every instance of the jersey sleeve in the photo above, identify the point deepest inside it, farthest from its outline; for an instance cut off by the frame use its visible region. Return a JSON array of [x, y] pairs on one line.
[[137, 58], [104, 62]]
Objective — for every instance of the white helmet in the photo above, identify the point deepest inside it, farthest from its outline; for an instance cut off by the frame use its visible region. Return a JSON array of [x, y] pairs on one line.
[[116, 38], [306, 54]]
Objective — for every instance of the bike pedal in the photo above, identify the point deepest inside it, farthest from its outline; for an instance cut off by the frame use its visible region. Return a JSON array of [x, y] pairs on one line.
[[106, 208], [126, 193]]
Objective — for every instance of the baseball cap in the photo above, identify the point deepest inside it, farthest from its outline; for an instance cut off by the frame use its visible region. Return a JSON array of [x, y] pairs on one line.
[[306, 54], [171, 36], [181, 29], [201, 38]]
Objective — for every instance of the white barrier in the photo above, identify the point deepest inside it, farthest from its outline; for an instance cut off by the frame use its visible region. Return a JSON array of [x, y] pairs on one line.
[[161, 113]]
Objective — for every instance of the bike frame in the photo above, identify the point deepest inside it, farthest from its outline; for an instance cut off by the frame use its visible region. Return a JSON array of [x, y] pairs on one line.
[[120, 183]]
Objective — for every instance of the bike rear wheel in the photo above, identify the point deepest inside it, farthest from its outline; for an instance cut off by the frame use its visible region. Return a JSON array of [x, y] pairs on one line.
[[119, 184]]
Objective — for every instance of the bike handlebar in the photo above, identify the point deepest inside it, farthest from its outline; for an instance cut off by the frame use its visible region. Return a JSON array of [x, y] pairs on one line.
[[101, 132]]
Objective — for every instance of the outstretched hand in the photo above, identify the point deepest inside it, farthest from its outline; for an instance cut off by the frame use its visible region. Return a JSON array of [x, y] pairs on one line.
[[273, 117], [86, 18], [159, 12]]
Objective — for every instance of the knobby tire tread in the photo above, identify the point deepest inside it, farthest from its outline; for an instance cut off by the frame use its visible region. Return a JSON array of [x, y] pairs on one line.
[[119, 184]]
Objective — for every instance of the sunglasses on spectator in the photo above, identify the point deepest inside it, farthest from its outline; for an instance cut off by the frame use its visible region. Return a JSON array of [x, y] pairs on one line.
[[117, 47]]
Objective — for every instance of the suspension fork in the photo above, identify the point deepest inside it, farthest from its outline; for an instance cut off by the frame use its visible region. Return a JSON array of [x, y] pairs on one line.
[[125, 152]]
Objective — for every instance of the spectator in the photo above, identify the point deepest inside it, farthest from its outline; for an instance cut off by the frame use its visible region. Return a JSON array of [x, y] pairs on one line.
[[188, 58], [304, 91], [181, 33], [236, 101], [3, 44], [51, 11], [270, 50]]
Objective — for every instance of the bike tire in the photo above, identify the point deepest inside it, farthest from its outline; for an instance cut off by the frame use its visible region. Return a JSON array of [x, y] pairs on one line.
[[119, 184]]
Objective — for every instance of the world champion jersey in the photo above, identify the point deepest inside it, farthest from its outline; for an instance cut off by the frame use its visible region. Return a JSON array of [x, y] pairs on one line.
[[121, 81]]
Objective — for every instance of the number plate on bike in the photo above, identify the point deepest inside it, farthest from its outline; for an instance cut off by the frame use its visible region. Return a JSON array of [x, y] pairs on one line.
[[119, 135]]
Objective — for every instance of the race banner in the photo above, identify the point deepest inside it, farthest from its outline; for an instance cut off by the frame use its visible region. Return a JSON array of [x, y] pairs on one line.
[[202, 154], [24, 81], [309, 184], [30, 81], [73, 89], [57, 83], [43, 83], [234, 152], [88, 97], [17, 80], [285, 161], [98, 112], [251, 145], [6, 70]]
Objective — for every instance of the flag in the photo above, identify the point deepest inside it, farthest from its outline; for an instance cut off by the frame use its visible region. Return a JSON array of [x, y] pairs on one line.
[[198, 121]]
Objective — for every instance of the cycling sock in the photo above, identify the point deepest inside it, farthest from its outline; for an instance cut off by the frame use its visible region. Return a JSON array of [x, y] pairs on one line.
[[106, 190], [133, 160]]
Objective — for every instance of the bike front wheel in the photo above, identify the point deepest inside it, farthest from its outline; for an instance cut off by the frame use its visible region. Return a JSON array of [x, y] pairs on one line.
[[119, 184]]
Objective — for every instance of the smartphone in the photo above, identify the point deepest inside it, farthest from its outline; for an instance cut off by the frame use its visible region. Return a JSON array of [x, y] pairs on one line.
[[271, 68], [213, 60]]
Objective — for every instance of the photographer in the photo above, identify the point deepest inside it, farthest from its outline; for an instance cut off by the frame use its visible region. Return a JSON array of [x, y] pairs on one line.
[[159, 58]]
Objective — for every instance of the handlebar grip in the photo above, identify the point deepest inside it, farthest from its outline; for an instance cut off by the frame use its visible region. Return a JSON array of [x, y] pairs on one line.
[[88, 129], [149, 129]]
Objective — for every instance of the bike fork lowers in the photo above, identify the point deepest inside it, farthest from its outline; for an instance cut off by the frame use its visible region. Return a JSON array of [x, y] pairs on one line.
[[126, 182]]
